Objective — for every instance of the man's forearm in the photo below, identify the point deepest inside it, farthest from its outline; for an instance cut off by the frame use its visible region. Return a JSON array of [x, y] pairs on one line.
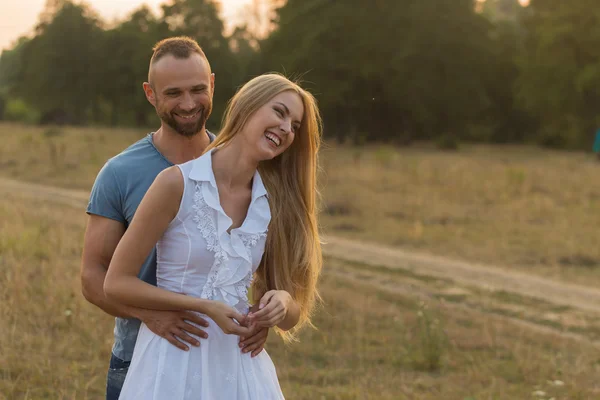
[[92, 288]]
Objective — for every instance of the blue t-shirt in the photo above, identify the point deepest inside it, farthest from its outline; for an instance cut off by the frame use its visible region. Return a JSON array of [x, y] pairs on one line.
[[117, 192]]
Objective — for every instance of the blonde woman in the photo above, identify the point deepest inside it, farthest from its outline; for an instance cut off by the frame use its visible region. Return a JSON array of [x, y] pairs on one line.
[[242, 214]]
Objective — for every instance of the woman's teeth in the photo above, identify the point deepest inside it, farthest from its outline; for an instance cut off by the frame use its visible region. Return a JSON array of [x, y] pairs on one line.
[[273, 139]]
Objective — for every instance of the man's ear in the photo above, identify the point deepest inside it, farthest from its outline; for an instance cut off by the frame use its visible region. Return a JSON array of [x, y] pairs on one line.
[[212, 83], [150, 95]]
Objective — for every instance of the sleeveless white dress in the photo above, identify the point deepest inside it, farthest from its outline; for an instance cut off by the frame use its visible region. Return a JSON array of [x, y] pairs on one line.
[[198, 257]]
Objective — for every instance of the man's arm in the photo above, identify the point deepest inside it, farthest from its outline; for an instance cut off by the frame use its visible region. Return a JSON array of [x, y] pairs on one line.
[[101, 238]]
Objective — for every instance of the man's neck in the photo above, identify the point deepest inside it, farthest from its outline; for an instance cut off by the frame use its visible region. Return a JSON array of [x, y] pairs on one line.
[[177, 148]]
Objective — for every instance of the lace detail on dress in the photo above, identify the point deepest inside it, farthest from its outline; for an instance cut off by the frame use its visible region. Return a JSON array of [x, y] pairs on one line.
[[208, 291], [206, 224], [242, 286], [203, 219], [208, 230], [249, 242]]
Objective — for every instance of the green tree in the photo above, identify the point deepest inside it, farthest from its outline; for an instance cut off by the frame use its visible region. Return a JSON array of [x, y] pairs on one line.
[[245, 54], [559, 81], [442, 66], [61, 65], [128, 48], [397, 70], [504, 119], [325, 43], [11, 68]]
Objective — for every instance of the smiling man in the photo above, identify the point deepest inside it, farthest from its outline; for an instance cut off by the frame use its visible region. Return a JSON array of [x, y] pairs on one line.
[[180, 87]]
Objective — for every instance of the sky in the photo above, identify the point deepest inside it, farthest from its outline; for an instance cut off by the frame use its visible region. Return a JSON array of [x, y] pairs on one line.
[[18, 17]]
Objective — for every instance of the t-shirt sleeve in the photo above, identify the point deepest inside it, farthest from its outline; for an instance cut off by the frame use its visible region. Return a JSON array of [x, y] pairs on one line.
[[105, 198]]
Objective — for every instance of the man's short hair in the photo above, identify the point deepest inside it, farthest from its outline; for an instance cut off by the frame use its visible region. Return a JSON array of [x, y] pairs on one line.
[[179, 47]]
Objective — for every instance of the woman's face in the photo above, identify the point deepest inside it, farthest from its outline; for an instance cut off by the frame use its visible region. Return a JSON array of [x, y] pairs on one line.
[[271, 129]]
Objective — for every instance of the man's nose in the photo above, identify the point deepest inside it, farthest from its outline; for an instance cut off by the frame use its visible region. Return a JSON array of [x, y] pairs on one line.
[[187, 102]]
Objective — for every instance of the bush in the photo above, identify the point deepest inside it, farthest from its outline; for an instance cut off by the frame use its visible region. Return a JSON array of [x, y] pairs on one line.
[[447, 142], [568, 132], [18, 111], [432, 346], [385, 155]]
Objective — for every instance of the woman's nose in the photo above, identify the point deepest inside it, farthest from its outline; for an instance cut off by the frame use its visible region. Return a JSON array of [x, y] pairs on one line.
[[286, 126]]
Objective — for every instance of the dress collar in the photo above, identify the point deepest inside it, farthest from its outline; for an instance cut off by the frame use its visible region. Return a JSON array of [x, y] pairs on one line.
[[202, 171]]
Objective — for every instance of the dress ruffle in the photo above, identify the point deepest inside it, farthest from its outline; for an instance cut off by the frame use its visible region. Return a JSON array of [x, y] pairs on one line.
[[231, 272]]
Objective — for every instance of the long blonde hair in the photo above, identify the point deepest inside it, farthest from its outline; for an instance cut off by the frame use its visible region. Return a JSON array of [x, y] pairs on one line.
[[292, 260]]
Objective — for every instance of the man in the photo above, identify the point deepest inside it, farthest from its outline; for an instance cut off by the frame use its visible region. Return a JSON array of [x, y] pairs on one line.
[[180, 87]]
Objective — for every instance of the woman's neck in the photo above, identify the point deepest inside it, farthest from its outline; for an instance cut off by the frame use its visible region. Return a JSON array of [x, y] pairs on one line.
[[233, 166]]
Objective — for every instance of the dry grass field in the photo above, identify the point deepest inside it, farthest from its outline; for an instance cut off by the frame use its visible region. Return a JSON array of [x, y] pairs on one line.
[[382, 334], [514, 207], [372, 342]]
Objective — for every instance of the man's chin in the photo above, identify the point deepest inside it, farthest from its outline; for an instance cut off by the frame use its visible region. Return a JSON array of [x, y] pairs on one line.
[[190, 130], [187, 131]]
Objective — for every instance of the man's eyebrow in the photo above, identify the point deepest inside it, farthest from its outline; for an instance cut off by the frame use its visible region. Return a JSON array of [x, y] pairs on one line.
[[200, 86]]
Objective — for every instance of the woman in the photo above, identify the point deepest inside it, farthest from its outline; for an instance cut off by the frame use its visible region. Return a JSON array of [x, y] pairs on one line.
[[245, 209]]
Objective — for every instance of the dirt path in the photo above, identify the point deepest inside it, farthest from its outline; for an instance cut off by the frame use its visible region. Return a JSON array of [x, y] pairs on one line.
[[480, 276], [462, 273], [425, 292]]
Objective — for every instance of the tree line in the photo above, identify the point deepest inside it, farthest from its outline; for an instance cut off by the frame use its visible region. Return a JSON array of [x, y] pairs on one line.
[[382, 70]]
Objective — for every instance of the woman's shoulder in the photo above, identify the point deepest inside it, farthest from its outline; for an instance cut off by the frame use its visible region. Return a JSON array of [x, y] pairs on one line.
[[169, 183], [171, 177]]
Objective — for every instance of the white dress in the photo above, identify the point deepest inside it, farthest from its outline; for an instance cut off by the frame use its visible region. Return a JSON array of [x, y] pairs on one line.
[[198, 257]]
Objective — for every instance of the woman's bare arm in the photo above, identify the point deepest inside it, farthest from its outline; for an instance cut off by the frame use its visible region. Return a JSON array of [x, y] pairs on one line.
[[152, 218], [157, 209]]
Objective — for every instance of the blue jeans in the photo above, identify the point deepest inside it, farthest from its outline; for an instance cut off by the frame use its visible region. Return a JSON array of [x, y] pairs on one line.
[[117, 370]]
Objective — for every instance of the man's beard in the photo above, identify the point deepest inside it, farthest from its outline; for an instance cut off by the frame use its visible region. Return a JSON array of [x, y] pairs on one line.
[[187, 130]]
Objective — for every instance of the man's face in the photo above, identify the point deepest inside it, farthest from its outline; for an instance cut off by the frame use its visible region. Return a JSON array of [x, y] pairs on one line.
[[181, 91]]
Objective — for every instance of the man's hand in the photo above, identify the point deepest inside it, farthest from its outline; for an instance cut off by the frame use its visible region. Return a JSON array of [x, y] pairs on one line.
[[255, 343], [174, 326]]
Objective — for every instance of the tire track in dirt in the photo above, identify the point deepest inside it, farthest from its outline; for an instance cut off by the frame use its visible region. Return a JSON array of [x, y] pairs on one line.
[[464, 273], [382, 282]]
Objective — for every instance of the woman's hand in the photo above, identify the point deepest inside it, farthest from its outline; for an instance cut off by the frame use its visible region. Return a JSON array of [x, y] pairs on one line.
[[272, 310], [226, 317]]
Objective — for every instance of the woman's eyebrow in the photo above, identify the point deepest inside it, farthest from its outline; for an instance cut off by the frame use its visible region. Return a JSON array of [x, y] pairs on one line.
[[287, 110]]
